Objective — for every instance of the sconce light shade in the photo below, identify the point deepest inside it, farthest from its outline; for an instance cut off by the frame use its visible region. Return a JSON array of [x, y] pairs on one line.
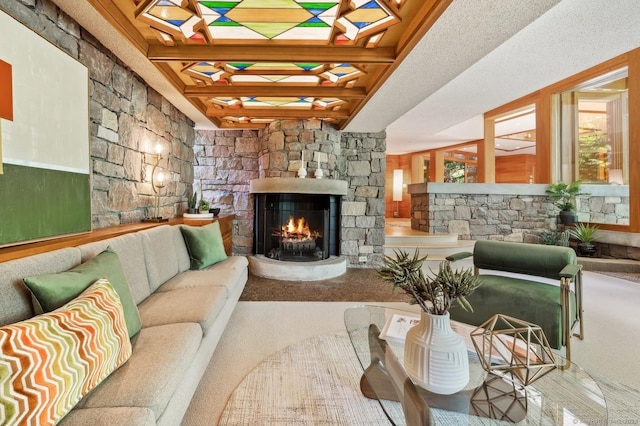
[[397, 185]]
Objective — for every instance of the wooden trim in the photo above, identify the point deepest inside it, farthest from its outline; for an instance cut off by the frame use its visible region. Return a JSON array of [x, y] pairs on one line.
[[634, 139], [236, 91], [542, 171], [487, 153], [275, 113], [595, 71], [30, 249], [320, 54]]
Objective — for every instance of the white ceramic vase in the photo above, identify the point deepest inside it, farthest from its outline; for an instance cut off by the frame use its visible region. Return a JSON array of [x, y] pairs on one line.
[[435, 356]]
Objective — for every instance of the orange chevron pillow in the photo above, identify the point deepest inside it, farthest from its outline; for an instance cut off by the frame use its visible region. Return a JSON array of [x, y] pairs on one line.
[[49, 362]]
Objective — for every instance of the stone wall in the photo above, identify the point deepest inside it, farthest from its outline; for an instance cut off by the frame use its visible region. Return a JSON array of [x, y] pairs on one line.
[[226, 161], [518, 218], [363, 207], [128, 120]]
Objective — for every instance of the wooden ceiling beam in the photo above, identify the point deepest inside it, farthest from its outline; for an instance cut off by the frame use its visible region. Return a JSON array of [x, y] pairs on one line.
[[315, 54], [276, 90], [276, 113]]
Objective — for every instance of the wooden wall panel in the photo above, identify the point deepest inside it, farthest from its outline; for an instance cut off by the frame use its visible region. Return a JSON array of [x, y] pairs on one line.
[[515, 168]]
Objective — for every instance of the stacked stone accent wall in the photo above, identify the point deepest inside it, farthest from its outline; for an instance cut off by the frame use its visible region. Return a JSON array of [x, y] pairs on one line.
[[290, 144], [127, 120], [518, 218], [226, 161], [363, 207]]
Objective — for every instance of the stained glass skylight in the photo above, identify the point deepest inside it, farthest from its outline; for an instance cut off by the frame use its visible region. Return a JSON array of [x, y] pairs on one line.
[[273, 72], [243, 63]]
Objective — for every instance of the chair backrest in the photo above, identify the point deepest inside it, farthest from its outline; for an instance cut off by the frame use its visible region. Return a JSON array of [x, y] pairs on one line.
[[523, 258]]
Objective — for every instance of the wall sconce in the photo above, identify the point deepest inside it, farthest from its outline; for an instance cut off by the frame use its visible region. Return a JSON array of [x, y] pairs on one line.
[[157, 183], [397, 190]]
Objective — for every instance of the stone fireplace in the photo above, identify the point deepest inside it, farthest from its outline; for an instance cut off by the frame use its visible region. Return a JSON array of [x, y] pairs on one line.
[[297, 223], [232, 166]]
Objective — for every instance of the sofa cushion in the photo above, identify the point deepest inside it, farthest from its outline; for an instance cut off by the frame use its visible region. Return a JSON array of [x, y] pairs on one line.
[[129, 250], [184, 263], [54, 290], [15, 303], [204, 244], [109, 416], [199, 305], [231, 272], [160, 359], [159, 255], [49, 362]]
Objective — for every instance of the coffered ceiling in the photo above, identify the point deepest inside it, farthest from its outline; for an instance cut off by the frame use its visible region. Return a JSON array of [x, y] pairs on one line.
[[451, 62], [244, 63]]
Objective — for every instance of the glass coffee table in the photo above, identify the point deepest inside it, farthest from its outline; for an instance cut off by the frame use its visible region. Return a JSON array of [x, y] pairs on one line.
[[561, 397]]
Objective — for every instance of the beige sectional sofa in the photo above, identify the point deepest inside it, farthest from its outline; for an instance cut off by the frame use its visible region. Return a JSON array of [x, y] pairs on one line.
[[183, 312]]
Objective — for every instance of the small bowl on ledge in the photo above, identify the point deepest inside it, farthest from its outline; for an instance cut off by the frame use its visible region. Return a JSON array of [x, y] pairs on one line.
[[215, 211]]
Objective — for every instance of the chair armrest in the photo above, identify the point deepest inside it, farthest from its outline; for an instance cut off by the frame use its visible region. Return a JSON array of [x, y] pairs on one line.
[[458, 256], [570, 271]]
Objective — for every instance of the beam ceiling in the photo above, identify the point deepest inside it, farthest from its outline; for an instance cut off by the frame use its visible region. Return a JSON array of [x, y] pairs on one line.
[[243, 63]]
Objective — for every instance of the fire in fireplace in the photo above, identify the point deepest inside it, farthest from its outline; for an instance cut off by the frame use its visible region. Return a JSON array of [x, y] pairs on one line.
[[296, 227], [297, 239]]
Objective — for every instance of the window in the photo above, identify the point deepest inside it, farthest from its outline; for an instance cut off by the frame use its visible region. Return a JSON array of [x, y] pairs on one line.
[[592, 141], [594, 130]]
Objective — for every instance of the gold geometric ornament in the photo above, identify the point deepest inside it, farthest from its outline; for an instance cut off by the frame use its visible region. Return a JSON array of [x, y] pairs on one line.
[[504, 343]]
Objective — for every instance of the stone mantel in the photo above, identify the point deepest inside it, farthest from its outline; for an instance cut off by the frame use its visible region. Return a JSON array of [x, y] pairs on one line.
[[287, 185]]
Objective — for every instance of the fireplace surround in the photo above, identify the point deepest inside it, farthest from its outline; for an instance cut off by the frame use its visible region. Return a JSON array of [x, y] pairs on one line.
[[297, 228]]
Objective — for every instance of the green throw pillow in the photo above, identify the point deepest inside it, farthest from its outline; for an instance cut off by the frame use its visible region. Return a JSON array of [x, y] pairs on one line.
[[204, 244], [54, 290]]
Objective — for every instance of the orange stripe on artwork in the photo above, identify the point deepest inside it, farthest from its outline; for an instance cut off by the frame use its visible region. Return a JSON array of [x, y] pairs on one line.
[[6, 91]]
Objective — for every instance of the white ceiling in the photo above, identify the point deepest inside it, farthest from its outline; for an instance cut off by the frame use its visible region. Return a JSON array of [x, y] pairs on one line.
[[479, 55], [484, 53]]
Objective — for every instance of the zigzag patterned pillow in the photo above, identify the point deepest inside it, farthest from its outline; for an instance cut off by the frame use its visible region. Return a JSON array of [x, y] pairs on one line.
[[49, 362]]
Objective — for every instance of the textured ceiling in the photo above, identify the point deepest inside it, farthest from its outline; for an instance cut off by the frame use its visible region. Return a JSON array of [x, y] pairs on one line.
[[571, 36], [479, 55]]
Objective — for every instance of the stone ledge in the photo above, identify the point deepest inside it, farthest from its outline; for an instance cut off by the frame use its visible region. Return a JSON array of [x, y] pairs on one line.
[[284, 185], [609, 265]]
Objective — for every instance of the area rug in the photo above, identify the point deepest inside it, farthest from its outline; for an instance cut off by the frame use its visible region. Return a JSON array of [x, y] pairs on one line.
[[316, 382]]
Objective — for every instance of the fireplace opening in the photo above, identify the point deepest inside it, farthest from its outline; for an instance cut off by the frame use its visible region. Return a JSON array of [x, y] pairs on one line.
[[296, 227]]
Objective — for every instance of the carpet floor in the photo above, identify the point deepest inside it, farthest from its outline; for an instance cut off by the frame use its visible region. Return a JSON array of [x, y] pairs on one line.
[[315, 382], [259, 329], [356, 285]]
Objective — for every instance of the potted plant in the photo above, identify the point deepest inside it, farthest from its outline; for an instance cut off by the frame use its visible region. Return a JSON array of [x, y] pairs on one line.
[[586, 235], [204, 206], [564, 196], [435, 356], [192, 202]]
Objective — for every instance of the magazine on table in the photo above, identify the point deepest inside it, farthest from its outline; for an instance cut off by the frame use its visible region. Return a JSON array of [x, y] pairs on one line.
[[397, 325]]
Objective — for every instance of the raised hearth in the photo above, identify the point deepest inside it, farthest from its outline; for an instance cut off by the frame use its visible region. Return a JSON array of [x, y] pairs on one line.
[[297, 271]]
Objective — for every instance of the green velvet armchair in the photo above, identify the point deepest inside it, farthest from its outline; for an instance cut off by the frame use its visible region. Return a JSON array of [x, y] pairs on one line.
[[537, 283]]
